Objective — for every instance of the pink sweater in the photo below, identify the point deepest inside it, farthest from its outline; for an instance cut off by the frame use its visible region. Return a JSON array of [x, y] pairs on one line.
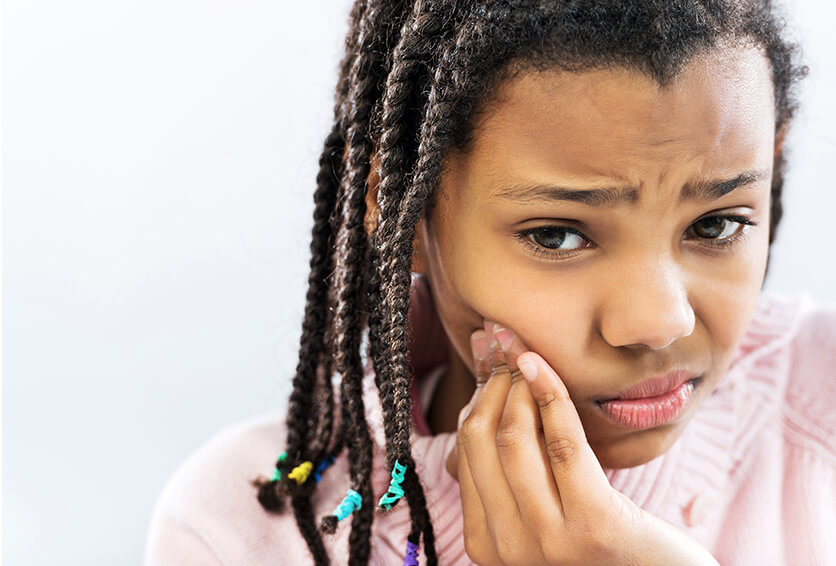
[[752, 478]]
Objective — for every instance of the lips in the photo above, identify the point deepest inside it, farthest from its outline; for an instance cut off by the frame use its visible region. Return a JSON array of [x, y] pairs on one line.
[[655, 386]]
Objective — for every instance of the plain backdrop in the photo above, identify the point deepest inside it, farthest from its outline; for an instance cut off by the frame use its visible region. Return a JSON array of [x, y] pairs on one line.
[[159, 163]]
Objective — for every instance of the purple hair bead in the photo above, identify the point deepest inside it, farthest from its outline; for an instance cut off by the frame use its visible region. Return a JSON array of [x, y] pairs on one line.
[[411, 556]]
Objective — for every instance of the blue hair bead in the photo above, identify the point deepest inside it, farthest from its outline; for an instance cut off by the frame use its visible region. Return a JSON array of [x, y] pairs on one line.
[[324, 465], [350, 503], [395, 491]]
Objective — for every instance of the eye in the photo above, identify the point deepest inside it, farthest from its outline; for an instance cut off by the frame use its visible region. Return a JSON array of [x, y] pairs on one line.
[[721, 231], [548, 238], [558, 242]]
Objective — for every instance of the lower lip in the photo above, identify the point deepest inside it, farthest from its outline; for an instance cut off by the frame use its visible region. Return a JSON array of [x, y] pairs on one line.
[[650, 412]]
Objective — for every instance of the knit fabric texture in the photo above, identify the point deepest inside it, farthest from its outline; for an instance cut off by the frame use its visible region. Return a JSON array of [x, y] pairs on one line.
[[752, 478]]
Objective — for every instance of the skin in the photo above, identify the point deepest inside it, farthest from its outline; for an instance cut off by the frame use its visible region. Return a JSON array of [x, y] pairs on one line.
[[640, 292]]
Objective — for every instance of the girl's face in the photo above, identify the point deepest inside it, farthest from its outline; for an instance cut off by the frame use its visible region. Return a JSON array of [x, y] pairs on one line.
[[624, 283]]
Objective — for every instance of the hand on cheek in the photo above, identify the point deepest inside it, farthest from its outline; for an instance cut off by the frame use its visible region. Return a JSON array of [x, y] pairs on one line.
[[532, 490]]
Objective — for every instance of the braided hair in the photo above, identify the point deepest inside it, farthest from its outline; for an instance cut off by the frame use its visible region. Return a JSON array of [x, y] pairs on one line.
[[414, 79]]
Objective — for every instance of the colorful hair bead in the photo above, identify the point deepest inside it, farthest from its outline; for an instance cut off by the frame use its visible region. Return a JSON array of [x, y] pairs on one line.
[[320, 469], [301, 472], [277, 473], [411, 556], [395, 491], [350, 503]]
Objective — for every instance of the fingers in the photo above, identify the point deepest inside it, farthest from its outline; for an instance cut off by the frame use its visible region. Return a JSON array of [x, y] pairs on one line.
[[505, 347], [522, 453], [478, 542], [476, 441], [520, 444], [451, 463], [581, 482], [481, 352]]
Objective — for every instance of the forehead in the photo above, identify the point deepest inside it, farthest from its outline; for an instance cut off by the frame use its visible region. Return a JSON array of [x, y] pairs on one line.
[[617, 124]]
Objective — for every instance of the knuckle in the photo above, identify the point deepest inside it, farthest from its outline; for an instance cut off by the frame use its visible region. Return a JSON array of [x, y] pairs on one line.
[[595, 541], [509, 435], [476, 545], [471, 530], [549, 400], [562, 449], [473, 428], [601, 547], [508, 548], [555, 552]]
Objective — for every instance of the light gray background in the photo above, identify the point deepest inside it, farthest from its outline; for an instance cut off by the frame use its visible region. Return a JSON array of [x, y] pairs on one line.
[[158, 171]]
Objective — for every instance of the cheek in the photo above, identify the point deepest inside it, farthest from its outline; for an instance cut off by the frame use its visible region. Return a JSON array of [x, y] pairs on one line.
[[725, 304], [550, 315]]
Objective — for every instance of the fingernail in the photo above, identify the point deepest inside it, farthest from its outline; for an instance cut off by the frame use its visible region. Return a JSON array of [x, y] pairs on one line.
[[528, 368], [504, 336], [491, 337], [480, 345]]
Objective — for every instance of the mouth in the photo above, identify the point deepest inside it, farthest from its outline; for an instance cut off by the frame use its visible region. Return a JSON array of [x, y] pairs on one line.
[[649, 412], [655, 386]]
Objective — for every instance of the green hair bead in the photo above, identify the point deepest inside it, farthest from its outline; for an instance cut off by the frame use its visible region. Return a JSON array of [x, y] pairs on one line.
[[277, 473], [395, 491]]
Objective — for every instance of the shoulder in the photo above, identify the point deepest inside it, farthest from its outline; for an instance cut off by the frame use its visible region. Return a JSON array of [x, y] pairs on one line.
[[811, 389], [208, 513]]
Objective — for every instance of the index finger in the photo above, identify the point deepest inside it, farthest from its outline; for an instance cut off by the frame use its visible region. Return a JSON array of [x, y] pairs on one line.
[[581, 481], [481, 350]]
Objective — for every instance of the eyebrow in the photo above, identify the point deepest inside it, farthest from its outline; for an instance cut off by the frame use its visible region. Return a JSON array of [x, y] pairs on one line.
[[697, 190]]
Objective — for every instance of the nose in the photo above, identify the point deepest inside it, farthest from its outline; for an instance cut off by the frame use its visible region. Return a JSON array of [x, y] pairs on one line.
[[646, 306]]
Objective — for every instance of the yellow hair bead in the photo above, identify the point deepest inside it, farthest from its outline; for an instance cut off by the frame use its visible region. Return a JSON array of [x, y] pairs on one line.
[[301, 472]]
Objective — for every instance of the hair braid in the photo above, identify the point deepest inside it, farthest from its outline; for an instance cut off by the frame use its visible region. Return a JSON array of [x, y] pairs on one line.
[[336, 163], [303, 512], [312, 345], [436, 133], [313, 327], [315, 322], [313, 363], [414, 78], [418, 38], [353, 269]]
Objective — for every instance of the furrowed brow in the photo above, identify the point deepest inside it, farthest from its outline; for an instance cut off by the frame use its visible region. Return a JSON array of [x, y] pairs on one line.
[[713, 190], [605, 197]]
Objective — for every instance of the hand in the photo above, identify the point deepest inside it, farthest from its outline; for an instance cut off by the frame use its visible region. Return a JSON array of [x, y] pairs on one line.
[[532, 489]]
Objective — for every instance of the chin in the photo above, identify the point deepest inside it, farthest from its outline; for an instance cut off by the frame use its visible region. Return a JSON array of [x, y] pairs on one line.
[[637, 448]]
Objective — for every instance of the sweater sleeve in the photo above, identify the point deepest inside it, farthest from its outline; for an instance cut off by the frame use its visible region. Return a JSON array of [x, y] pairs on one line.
[[207, 511], [173, 542]]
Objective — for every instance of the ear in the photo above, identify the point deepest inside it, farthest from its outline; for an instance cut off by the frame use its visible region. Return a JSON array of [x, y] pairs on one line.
[[372, 208], [372, 217], [780, 136], [419, 247]]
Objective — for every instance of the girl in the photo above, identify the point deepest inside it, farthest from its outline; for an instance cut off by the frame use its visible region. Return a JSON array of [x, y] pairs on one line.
[[534, 331]]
